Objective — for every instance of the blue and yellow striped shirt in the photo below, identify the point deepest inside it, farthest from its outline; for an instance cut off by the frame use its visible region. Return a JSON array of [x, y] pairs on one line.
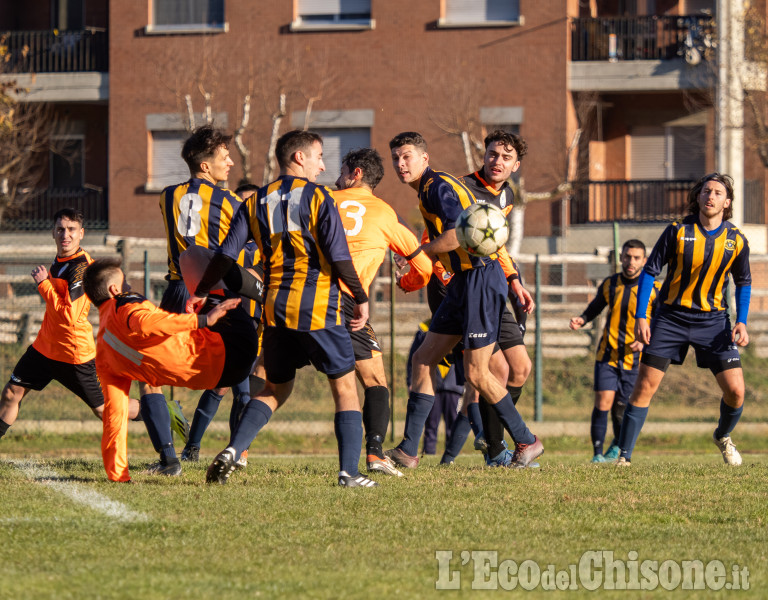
[[299, 233], [195, 213]]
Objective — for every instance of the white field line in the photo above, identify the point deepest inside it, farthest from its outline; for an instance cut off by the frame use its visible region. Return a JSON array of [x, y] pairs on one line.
[[79, 494]]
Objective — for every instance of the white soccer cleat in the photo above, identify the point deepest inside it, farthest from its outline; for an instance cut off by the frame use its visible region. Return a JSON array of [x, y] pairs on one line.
[[731, 456]]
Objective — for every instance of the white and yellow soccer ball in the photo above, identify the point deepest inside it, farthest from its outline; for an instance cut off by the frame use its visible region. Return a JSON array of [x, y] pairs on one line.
[[482, 229]]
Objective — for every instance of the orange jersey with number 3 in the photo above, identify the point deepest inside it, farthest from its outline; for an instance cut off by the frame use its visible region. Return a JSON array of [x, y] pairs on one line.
[[372, 226]]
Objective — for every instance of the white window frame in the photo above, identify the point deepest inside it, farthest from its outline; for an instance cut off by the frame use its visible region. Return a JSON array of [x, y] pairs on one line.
[[448, 20], [184, 28], [324, 120], [335, 11], [171, 122]]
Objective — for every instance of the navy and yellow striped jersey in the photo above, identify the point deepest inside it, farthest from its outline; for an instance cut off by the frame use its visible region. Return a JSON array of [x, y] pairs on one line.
[[698, 264], [299, 233], [249, 258], [195, 213], [619, 294], [442, 198], [485, 192]]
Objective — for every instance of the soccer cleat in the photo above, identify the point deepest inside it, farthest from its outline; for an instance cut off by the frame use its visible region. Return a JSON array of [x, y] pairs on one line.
[[731, 456], [221, 467], [598, 458], [382, 465], [525, 454], [612, 453], [355, 481], [190, 454], [481, 445], [490, 461], [242, 462], [163, 468], [401, 459], [504, 459], [622, 462], [179, 422]]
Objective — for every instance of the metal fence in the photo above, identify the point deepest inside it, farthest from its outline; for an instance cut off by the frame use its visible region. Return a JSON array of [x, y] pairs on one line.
[[35, 213], [634, 38], [56, 51], [628, 201]]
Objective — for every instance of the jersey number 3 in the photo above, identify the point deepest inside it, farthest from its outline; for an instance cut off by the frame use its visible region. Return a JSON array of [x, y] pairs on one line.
[[356, 215]]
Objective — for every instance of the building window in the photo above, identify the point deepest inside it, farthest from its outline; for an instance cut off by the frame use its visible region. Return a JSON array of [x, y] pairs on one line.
[[336, 143], [480, 13], [668, 152], [166, 135], [332, 14], [166, 167], [187, 16], [66, 163], [342, 131]]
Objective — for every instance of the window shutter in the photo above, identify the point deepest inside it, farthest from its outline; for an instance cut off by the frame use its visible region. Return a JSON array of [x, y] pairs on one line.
[[168, 168], [648, 147], [479, 11], [333, 7], [336, 143]]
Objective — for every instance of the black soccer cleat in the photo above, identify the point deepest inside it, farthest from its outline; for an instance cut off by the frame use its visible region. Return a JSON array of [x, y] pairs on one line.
[[351, 481], [221, 467], [167, 469], [190, 454]]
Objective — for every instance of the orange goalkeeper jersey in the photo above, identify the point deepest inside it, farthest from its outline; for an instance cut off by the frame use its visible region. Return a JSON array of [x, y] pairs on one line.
[[66, 334], [372, 226], [138, 341]]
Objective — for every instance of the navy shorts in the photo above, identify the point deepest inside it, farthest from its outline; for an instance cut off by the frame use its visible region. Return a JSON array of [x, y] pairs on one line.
[[674, 331], [286, 350], [364, 341], [35, 371], [613, 379], [473, 306]]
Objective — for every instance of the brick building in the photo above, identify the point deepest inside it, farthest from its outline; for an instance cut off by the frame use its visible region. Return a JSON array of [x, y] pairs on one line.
[[601, 90]]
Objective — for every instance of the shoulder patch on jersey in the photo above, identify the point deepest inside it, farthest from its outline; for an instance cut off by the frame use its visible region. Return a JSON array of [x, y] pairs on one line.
[[128, 298]]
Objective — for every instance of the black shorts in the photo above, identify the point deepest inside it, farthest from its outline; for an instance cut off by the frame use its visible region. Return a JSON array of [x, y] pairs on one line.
[[364, 341], [239, 332], [509, 332], [35, 371]]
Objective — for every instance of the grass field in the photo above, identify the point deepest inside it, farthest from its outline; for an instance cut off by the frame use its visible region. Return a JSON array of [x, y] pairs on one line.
[[283, 529]]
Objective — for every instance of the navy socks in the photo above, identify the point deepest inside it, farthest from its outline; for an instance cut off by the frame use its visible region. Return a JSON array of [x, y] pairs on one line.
[[204, 413], [598, 428], [729, 416], [634, 419], [348, 425], [256, 415], [154, 412], [419, 406], [513, 422], [461, 429]]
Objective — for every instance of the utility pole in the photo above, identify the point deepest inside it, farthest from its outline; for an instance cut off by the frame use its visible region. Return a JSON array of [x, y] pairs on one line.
[[729, 103]]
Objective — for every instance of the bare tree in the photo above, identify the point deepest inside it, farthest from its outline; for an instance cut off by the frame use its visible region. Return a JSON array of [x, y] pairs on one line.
[[26, 138]]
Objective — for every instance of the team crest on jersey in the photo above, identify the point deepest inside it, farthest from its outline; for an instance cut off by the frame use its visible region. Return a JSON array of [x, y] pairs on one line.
[[503, 199], [730, 245]]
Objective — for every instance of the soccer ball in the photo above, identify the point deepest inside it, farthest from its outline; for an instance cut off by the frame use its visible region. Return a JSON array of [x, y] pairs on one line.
[[482, 229]]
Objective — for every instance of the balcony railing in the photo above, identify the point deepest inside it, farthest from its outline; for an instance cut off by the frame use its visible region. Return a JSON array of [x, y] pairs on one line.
[[56, 52], [637, 38], [36, 212], [646, 201]]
